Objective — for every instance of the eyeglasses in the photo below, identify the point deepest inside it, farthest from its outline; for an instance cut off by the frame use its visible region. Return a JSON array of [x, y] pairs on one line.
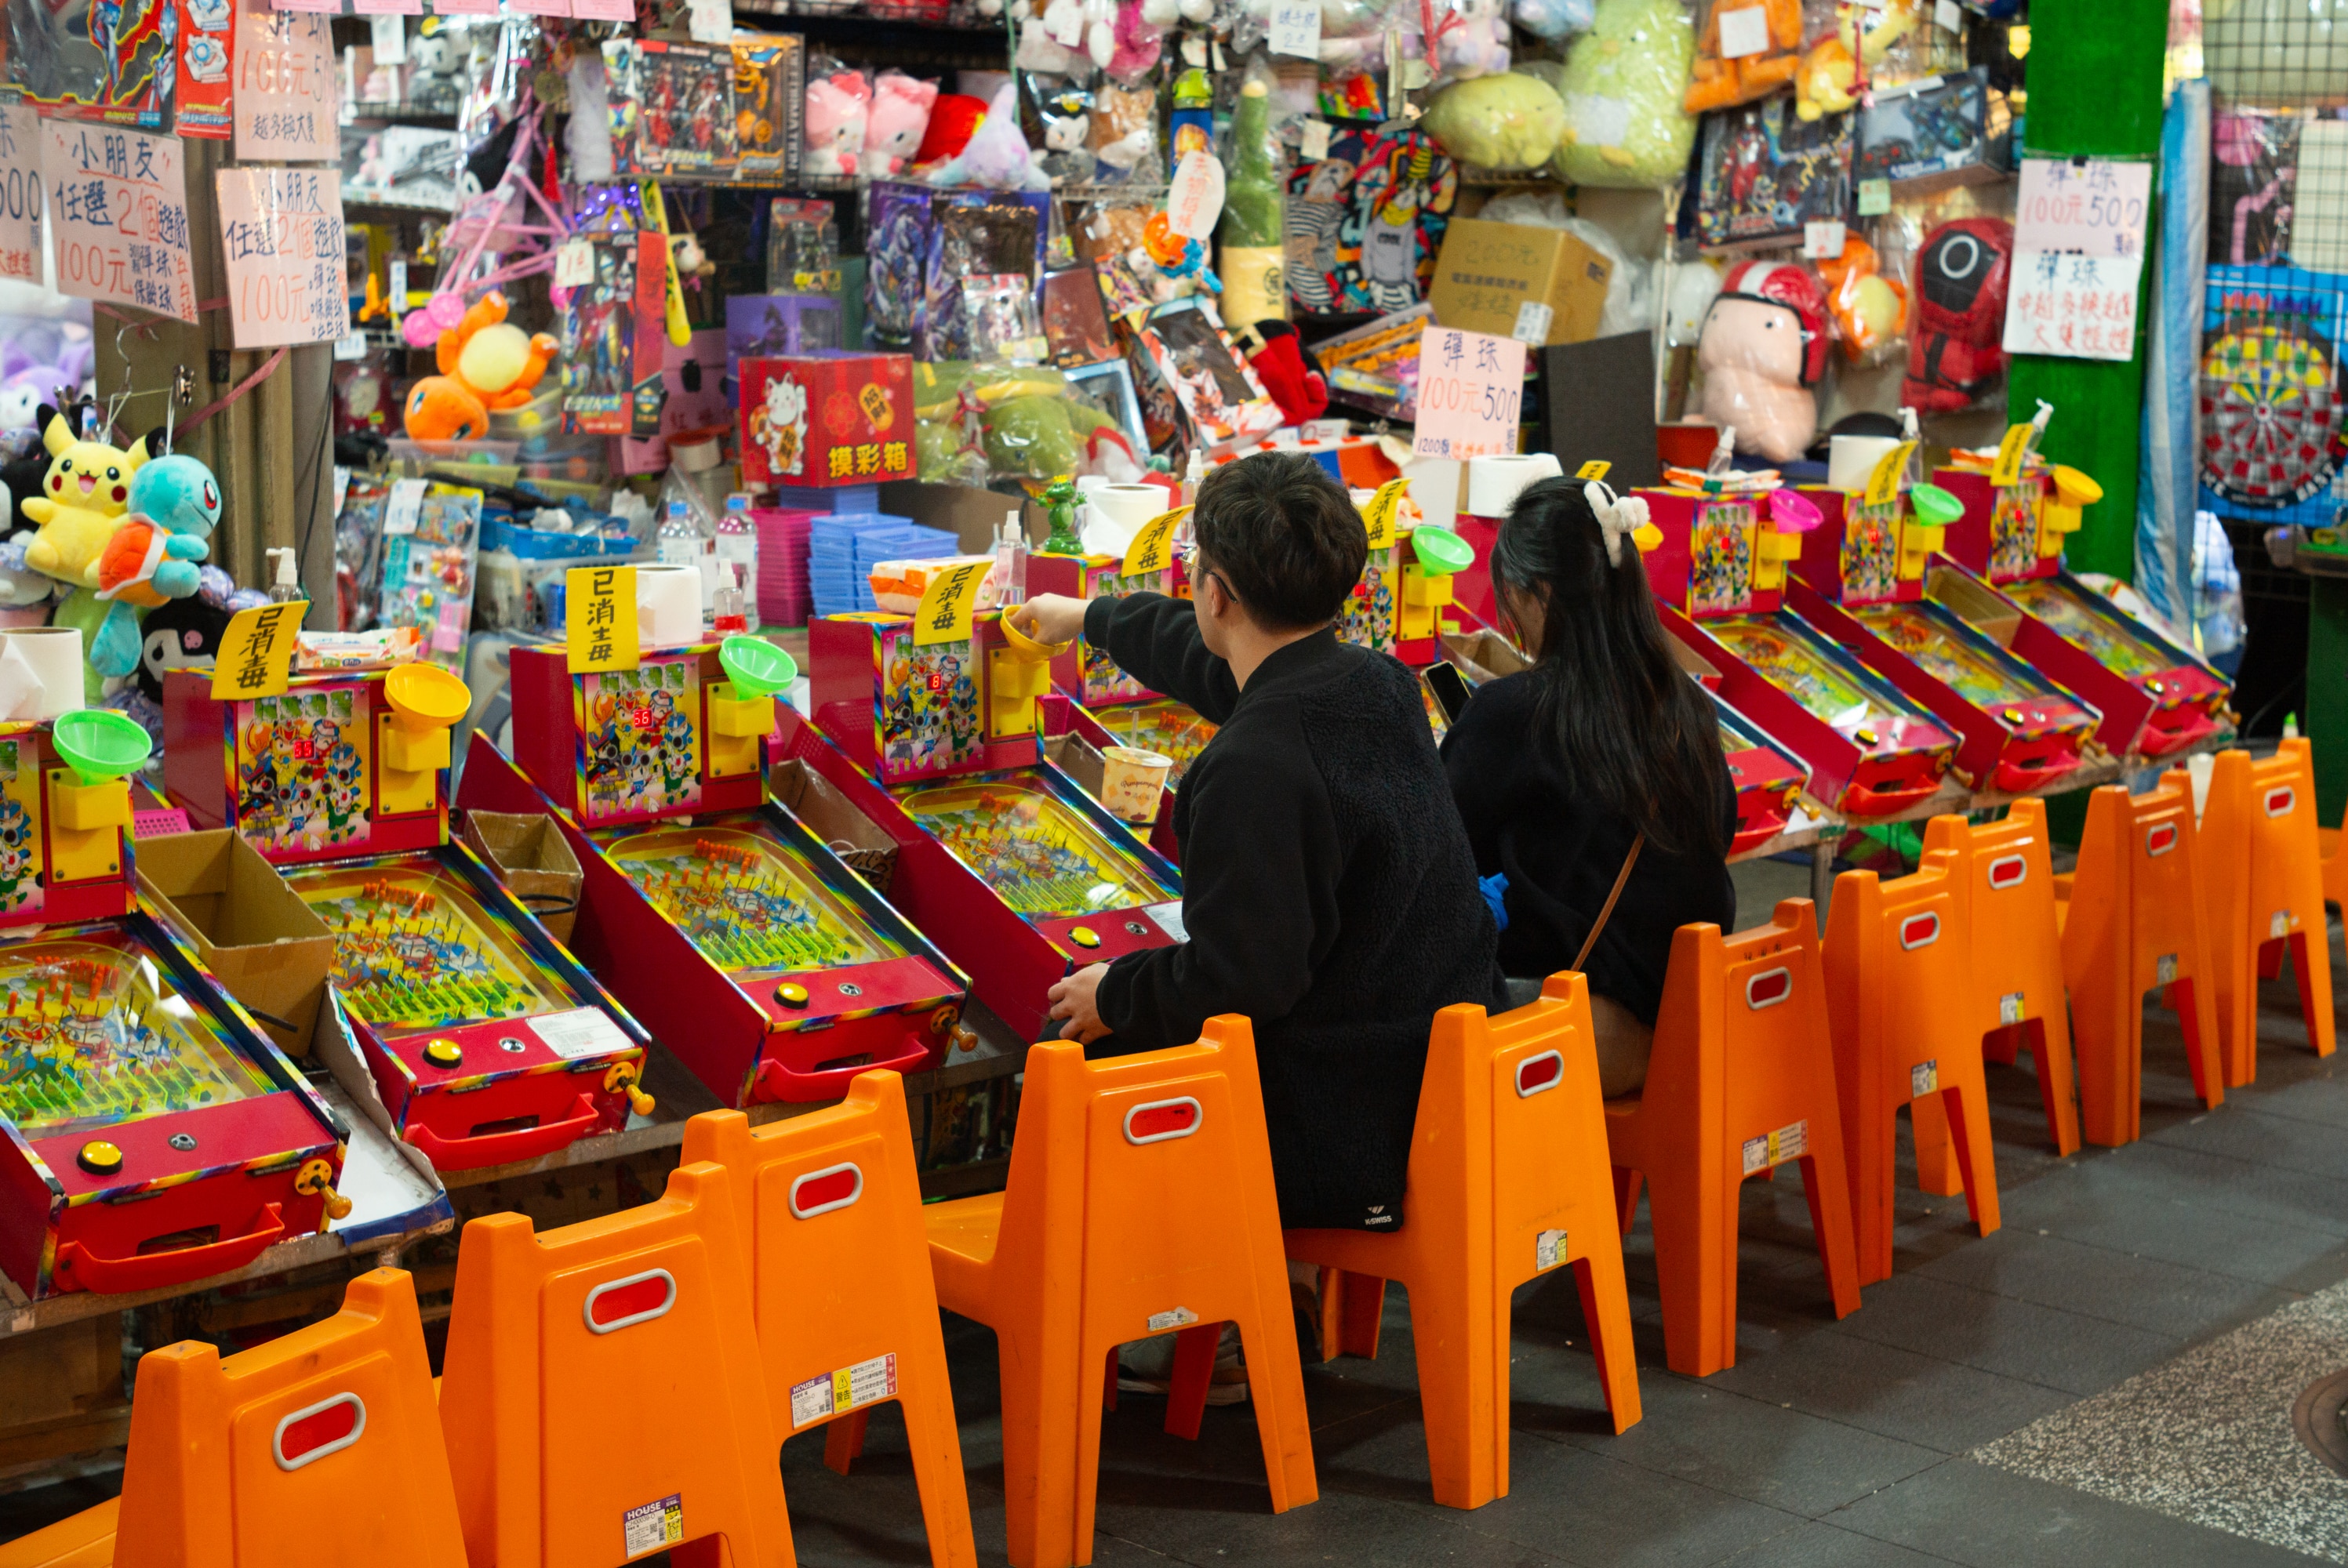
[[1189, 554]]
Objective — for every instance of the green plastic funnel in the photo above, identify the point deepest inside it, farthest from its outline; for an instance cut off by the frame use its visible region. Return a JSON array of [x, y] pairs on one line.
[[100, 743], [1441, 551], [1935, 507], [756, 666]]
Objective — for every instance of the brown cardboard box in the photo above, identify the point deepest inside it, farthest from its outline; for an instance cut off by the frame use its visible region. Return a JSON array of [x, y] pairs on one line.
[[1487, 273], [529, 853], [831, 816], [268, 949]]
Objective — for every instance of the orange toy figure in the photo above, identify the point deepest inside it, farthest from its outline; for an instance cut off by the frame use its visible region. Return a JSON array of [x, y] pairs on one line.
[[1720, 83], [485, 365], [1869, 310]]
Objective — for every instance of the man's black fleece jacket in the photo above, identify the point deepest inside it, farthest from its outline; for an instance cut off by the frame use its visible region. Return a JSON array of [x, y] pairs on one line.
[[1329, 893]]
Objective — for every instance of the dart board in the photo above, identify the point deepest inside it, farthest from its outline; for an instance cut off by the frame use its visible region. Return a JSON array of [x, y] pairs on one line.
[[2270, 412]]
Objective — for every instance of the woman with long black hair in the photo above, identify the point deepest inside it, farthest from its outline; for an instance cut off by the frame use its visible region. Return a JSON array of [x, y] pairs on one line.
[[1593, 785]]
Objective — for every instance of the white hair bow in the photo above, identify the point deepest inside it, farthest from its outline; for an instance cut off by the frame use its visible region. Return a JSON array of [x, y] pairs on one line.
[[1618, 517]]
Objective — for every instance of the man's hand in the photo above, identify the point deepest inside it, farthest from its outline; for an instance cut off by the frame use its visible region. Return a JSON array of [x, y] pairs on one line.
[[1051, 617], [1073, 998]]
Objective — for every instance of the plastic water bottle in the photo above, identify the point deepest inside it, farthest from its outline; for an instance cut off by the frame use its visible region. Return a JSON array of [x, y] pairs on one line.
[[737, 545]]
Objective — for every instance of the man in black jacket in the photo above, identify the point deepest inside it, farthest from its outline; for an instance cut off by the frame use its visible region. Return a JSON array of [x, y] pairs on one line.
[[1329, 893]]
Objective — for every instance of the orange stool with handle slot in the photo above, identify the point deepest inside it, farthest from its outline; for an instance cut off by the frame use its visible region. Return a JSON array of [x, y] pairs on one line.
[[1897, 963], [1742, 1080], [602, 1395], [830, 1206], [2132, 920], [2015, 993], [326, 1435], [1139, 1202], [1507, 1179], [2262, 874]]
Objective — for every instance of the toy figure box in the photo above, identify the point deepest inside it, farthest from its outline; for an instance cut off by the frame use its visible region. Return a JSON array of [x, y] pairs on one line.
[[770, 103], [148, 65], [1516, 280], [614, 339], [774, 326], [921, 242], [1018, 874], [1720, 576], [1218, 391], [149, 1136], [672, 107], [827, 420], [1764, 172], [1934, 133]]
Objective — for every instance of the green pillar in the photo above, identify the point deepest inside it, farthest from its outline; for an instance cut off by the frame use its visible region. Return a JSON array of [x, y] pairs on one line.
[[2094, 72], [2325, 718]]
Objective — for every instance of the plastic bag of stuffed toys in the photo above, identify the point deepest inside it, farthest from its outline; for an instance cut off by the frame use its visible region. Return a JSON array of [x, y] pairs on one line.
[[1621, 84], [1507, 122], [977, 420]]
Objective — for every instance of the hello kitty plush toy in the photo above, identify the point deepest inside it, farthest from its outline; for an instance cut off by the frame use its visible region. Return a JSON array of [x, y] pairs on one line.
[[899, 115], [838, 107]]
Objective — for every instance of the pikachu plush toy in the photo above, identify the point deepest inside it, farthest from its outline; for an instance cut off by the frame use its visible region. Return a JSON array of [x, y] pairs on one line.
[[82, 500]]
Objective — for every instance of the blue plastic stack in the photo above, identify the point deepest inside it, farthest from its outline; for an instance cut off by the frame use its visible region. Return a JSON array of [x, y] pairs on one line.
[[844, 547]]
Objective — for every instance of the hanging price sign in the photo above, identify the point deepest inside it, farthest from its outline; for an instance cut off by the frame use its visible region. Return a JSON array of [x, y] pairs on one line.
[[1472, 388]]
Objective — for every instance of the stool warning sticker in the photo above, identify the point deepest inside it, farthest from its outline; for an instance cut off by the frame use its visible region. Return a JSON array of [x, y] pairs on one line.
[[1923, 1079], [651, 1526], [844, 1390], [1790, 1141], [1548, 1249]]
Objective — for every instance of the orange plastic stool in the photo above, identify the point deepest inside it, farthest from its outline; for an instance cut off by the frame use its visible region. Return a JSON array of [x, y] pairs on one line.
[[1140, 1201], [839, 1259], [1507, 1179], [1741, 1080], [2131, 919], [2260, 863], [603, 1394], [2016, 990], [327, 1435], [1896, 962]]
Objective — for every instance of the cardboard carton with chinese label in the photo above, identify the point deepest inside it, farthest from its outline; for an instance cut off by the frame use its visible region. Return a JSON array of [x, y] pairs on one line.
[[826, 419], [1515, 281]]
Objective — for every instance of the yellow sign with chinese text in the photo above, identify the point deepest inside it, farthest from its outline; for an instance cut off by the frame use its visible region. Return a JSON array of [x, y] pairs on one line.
[[1378, 516], [943, 614], [1883, 484], [1593, 469], [2012, 454], [600, 624], [1152, 549], [256, 651]]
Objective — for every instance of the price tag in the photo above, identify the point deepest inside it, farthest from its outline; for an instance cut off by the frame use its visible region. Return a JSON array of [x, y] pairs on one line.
[[1947, 17], [574, 264], [943, 614], [256, 651], [1822, 240], [1744, 31], [1194, 51], [1316, 141], [282, 236], [1472, 388], [1296, 28], [1534, 318], [352, 346], [1883, 483], [342, 487], [1152, 549], [599, 616], [2012, 453], [20, 199], [2096, 207], [406, 505], [1378, 516], [389, 36], [1594, 469], [1196, 199], [709, 21], [1874, 198]]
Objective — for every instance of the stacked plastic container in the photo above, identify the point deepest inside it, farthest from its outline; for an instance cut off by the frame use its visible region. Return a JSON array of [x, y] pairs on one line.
[[782, 585], [843, 548]]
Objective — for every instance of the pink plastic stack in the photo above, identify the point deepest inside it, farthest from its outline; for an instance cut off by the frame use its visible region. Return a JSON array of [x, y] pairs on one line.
[[784, 597]]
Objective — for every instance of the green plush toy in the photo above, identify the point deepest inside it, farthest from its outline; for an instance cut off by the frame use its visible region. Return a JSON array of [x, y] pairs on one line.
[[1503, 122], [1622, 85]]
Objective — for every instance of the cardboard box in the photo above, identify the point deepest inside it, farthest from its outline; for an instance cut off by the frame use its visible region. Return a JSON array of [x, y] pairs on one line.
[[267, 948], [861, 844], [1495, 276], [532, 857]]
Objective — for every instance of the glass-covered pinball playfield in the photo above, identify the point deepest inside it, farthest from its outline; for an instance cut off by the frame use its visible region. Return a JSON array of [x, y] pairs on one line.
[[1037, 853], [748, 900], [94, 1032], [1163, 725], [1832, 686], [415, 948], [2078, 621], [1955, 655]]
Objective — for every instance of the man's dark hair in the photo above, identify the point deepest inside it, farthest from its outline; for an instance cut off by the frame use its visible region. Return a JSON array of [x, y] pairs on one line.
[[1284, 536]]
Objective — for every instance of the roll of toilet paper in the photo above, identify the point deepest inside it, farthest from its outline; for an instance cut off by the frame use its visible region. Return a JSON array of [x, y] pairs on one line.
[[1115, 513], [1851, 459], [1494, 483], [54, 652], [668, 604]]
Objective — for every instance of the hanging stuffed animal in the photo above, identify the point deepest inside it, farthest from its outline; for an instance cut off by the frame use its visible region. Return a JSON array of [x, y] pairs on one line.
[[82, 499], [1764, 348], [175, 505], [485, 363]]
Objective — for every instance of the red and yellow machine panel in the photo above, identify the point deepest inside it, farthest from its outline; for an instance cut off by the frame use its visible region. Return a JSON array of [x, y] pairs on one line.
[[149, 1134], [1769, 779], [665, 739], [485, 1040]]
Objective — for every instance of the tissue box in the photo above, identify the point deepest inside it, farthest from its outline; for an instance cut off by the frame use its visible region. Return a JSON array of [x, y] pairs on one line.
[[827, 420], [1935, 133]]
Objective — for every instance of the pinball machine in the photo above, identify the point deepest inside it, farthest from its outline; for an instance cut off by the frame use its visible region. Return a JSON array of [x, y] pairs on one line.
[[765, 965], [150, 1136], [487, 1040]]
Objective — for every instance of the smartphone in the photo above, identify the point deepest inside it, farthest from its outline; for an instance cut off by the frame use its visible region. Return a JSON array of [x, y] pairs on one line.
[[1450, 688]]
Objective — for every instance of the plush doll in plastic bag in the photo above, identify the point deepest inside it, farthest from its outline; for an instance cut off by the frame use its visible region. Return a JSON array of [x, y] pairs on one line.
[[1621, 84], [1870, 310], [1501, 122], [837, 108], [1552, 19], [998, 157], [1954, 357], [1723, 78], [1764, 348], [893, 127], [1471, 39]]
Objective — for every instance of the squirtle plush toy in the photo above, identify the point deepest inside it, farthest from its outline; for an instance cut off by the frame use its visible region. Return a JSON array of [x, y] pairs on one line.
[[175, 504]]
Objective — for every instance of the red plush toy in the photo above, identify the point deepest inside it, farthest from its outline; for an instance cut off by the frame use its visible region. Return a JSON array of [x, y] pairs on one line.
[[953, 118], [1292, 375]]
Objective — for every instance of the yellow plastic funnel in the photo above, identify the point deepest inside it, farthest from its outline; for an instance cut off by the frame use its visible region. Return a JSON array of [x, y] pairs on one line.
[[1025, 647], [425, 697]]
